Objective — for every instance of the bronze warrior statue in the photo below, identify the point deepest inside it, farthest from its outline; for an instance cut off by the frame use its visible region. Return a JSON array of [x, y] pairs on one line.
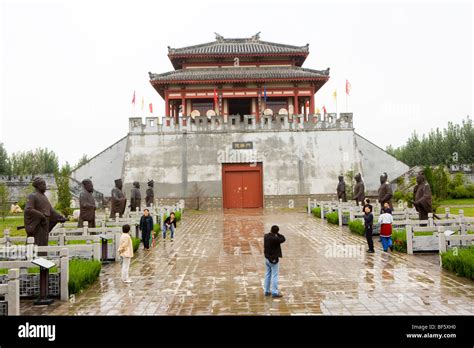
[[422, 197], [150, 195], [87, 204], [385, 192], [135, 197], [119, 201], [40, 217], [359, 189], [341, 189]]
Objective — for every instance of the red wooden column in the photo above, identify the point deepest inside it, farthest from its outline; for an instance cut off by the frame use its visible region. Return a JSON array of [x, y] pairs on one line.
[[183, 103], [167, 105], [312, 108], [295, 104]]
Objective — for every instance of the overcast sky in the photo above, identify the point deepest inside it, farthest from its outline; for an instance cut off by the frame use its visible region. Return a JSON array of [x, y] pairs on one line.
[[69, 68]]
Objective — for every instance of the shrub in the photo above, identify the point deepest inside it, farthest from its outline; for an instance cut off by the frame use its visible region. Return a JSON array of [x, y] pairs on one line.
[[357, 227], [82, 273], [135, 243], [333, 218], [156, 228], [316, 212], [399, 240], [177, 215], [460, 261]]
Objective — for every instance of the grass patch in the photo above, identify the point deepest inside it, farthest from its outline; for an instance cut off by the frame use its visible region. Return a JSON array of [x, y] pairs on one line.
[[316, 212], [82, 273], [459, 261], [461, 201], [12, 223], [399, 240], [357, 227], [333, 218], [136, 244], [32, 270], [468, 211]]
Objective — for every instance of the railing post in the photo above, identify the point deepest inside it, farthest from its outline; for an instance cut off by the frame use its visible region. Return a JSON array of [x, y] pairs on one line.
[[85, 228], [96, 252], [13, 296], [430, 220], [62, 237], [351, 213], [461, 216], [309, 205], [447, 212], [339, 213], [409, 233], [64, 274], [117, 218], [6, 235]]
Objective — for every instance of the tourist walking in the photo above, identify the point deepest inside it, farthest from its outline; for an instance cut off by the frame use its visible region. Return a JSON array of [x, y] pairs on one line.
[[386, 221], [170, 223], [146, 226], [125, 250], [369, 227], [272, 251]]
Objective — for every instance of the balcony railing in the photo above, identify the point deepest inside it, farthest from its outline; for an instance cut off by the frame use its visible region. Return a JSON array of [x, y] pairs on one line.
[[238, 123]]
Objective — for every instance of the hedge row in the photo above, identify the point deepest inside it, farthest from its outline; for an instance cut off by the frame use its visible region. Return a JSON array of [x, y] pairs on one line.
[[459, 261]]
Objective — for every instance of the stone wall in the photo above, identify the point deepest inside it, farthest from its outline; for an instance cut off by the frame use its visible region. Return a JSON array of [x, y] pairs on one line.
[[299, 157], [19, 186]]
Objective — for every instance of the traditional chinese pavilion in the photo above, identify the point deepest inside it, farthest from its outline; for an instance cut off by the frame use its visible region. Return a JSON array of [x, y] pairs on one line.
[[239, 77]]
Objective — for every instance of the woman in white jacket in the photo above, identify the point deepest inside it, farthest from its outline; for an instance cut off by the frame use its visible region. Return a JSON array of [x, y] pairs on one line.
[[125, 250]]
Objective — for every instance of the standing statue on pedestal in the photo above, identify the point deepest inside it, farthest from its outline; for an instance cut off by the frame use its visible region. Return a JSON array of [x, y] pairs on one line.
[[422, 197], [119, 201], [341, 189], [359, 189], [87, 204], [150, 195], [40, 217], [385, 192], [135, 197]]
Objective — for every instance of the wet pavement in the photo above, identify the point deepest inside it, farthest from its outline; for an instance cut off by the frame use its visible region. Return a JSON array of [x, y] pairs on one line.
[[215, 266]]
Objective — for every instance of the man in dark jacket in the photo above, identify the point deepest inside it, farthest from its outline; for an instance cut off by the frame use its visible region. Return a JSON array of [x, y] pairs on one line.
[[272, 251], [146, 226]]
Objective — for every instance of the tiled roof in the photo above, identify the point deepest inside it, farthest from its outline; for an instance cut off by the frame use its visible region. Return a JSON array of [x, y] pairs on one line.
[[236, 74], [246, 46]]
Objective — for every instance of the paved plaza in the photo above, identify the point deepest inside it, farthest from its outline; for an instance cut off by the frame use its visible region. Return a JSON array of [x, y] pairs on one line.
[[215, 266]]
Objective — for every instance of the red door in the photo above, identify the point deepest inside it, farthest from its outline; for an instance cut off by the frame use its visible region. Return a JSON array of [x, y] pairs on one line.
[[242, 186], [233, 190]]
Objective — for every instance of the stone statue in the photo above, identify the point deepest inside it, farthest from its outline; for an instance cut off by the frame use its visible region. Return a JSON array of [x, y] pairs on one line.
[[385, 192], [119, 201], [87, 204], [341, 189], [135, 197], [40, 217], [150, 195], [359, 189], [422, 197]]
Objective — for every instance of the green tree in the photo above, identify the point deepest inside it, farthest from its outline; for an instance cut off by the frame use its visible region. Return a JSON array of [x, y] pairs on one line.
[[40, 161], [4, 200], [83, 160], [349, 176], [4, 161], [438, 146], [64, 192]]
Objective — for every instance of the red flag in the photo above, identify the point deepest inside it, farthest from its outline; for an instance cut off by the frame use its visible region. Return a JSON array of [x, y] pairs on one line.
[[215, 98], [151, 108], [348, 87], [133, 99], [324, 109]]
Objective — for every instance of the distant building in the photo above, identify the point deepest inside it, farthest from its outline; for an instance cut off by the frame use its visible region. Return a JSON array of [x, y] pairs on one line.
[[240, 128]]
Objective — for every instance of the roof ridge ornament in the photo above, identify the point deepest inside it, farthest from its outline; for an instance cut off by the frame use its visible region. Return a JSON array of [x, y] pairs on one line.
[[219, 37], [256, 37]]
